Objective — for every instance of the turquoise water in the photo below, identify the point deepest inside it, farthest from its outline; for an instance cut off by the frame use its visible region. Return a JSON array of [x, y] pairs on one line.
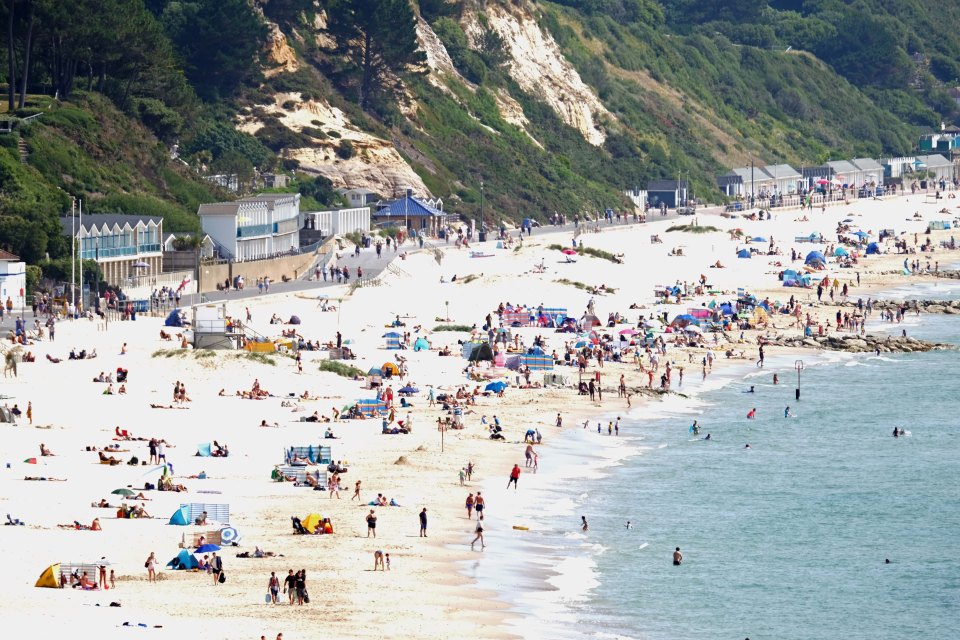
[[784, 540]]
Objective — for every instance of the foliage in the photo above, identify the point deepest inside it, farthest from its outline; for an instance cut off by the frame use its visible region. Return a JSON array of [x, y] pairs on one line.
[[692, 228], [341, 369], [453, 327]]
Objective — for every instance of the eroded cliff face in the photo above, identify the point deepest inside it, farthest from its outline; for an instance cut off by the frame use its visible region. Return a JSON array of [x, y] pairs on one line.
[[539, 67]]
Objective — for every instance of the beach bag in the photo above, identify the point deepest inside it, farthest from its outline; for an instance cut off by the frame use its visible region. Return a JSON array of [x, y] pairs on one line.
[[306, 597], [223, 577], [267, 598]]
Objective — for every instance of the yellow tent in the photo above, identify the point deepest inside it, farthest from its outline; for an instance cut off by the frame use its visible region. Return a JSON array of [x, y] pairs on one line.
[[311, 522], [392, 368], [49, 579]]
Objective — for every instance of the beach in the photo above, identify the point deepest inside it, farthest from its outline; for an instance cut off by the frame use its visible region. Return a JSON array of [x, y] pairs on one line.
[[432, 589]]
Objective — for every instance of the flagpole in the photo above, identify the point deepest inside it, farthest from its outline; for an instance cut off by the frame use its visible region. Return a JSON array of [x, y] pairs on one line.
[[80, 255], [73, 250]]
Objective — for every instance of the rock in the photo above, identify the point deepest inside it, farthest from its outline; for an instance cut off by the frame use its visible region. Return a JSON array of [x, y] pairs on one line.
[[402, 460]]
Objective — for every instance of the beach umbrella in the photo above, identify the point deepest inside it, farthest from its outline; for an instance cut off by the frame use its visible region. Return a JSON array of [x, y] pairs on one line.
[[569, 252], [759, 239], [822, 181], [496, 387], [207, 548], [848, 219], [861, 234], [348, 341], [229, 535], [141, 265], [743, 253], [31, 461], [126, 493], [628, 332], [408, 389], [580, 344]]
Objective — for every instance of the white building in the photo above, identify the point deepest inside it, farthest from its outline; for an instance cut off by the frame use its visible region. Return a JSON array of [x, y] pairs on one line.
[[338, 221], [13, 280], [252, 228], [126, 247]]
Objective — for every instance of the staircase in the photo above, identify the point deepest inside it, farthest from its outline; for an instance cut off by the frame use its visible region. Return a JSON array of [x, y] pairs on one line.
[[24, 151]]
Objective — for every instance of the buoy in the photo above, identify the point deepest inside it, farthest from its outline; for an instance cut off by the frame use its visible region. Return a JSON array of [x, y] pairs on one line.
[[519, 527]]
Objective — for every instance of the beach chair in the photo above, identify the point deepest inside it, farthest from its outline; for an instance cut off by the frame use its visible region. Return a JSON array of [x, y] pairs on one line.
[[215, 512]]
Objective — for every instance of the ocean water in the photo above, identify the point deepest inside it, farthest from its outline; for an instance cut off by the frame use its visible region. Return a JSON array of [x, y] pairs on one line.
[[786, 539]]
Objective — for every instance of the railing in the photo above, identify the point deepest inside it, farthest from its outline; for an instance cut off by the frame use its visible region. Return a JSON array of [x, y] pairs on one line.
[[153, 247], [254, 230]]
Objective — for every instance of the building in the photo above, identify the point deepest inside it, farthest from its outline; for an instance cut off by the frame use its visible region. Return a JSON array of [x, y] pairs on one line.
[[125, 246], [743, 182], [261, 226], [206, 243], [913, 166], [275, 181], [784, 179], [936, 164], [870, 172], [230, 182], [360, 197], [413, 213], [330, 222], [637, 196], [673, 193], [13, 280], [844, 172]]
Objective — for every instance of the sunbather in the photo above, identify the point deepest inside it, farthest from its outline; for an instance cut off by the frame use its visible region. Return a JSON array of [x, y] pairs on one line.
[[43, 479], [44, 451]]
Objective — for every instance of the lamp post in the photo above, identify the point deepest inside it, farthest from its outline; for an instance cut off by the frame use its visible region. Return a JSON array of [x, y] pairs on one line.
[[798, 365], [481, 205], [448, 310]]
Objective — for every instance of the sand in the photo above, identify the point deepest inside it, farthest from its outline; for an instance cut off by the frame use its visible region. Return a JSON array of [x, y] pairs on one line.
[[426, 594]]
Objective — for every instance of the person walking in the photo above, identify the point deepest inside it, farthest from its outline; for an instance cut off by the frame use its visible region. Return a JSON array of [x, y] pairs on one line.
[[30, 412], [151, 566], [514, 477], [423, 523], [469, 505], [273, 588], [372, 524], [290, 585], [356, 492], [479, 504], [216, 568], [479, 536]]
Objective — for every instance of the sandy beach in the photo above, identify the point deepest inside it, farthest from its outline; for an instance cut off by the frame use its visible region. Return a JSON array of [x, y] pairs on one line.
[[426, 594]]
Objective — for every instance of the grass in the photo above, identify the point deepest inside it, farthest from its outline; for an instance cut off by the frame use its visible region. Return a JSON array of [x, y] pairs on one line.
[[470, 278], [341, 369], [262, 358], [691, 228], [581, 285], [589, 251], [453, 327]]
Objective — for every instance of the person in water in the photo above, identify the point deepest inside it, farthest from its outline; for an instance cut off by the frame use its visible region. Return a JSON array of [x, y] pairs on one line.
[[750, 390], [786, 412], [708, 437], [677, 557], [752, 414], [896, 432]]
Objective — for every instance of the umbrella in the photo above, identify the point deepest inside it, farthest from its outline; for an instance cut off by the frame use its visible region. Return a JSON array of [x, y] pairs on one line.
[[31, 461], [141, 265], [580, 344], [759, 239], [861, 234], [496, 387], [207, 548], [848, 219], [822, 181], [569, 252], [628, 332], [409, 389], [228, 535], [126, 493]]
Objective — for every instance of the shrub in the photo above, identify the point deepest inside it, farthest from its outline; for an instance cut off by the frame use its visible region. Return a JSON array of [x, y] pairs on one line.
[[341, 369]]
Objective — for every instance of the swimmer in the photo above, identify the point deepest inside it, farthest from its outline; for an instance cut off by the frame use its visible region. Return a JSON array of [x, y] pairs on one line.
[[751, 390], [677, 557], [584, 526], [776, 380], [752, 414], [630, 526], [747, 446], [786, 413], [887, 561], [708, 437], [695, 428], [896, 432]]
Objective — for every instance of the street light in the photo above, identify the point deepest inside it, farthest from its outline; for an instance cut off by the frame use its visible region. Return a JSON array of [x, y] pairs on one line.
[[799, 367], [481, 205], [448, 310]]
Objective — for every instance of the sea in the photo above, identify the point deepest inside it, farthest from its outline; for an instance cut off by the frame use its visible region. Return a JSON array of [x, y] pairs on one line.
[[787, 539]]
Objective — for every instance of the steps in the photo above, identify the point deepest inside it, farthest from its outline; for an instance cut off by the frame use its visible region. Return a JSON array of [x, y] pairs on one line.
[[24, 151]]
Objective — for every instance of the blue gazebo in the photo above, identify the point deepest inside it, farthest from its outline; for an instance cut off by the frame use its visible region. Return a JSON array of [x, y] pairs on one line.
[[411, 212]]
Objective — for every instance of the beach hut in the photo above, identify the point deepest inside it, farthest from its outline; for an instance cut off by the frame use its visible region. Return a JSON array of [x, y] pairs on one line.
[[181, 516], [393, 340], [873, 248], [49, 578], [743, 253], [184, 561], [816, 260]]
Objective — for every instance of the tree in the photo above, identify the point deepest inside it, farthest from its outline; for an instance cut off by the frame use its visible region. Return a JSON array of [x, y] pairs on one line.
[[377, 42], [11, 57]]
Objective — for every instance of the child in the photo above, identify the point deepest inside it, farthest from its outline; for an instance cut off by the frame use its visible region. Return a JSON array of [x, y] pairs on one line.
[[113, 579], [387, 556]]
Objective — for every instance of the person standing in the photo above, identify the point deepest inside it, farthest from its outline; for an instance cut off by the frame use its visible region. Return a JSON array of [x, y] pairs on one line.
[[273, 586], [216, 568], [479, 504], [30, 412], [514, 477], [423, 523], [463, 475], [300, 581], [372, 524], [151, 566], [290, 585], [677, 557], [583, 523], [356, 492], [470, 503]]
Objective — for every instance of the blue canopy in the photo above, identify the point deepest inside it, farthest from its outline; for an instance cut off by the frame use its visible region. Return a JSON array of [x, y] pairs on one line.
[[758, 239], [392, 334], [872, 248], [496, 387], [408, 389], [174, 319], [743, 253], [861, 234], [840, 251], [184, 561], [207, 548], [815, 257], [375, 372]]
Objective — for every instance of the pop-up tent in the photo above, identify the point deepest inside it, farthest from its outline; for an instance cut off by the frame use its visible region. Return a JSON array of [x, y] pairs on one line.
[[421, 345], [390, 369], [184, 561], [49, 578], [481, 352], [203, 450], [743, 253], [815, 259], [311, 522], [294, 320], [181, 516], [174, 319], [840, 251], [873, 248]]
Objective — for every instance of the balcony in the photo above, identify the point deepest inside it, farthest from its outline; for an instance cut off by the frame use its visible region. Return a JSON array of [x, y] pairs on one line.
[[254, 230], [149, 248]]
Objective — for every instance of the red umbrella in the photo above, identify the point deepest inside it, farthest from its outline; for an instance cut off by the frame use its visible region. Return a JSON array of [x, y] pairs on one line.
[[569, 252]]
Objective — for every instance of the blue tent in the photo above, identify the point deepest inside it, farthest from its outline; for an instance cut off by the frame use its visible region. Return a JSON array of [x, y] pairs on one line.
[[815, 257], [203, 450], [174, 319], [743, 253], [496, 387], [840, 251], [872, 248], [184, 560], [535, 351], [181, 516], [421, 345], [861, 234], [374, 371]]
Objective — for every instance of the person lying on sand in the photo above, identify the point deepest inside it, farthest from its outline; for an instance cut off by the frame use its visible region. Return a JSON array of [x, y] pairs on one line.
[[42, 479], [94, 526], [105, 459], [165, 406], [263, 423]]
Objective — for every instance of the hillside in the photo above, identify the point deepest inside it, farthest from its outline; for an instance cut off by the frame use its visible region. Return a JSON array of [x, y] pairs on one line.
[[552, 106]]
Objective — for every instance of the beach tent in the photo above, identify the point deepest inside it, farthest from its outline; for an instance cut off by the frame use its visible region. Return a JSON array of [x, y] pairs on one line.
[[840, 251], [203, 450], [496, 387], [481, 352], [499, 360], [815, 259], [181, 516], [390, 369], [421, 345], [393, 340], [873, 248], [683, 320], [537, 363], [743, 253], [311, 522], [591, 321], [294, 320], [184, 561], [49, 579], [174, 319], [861, 234]]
